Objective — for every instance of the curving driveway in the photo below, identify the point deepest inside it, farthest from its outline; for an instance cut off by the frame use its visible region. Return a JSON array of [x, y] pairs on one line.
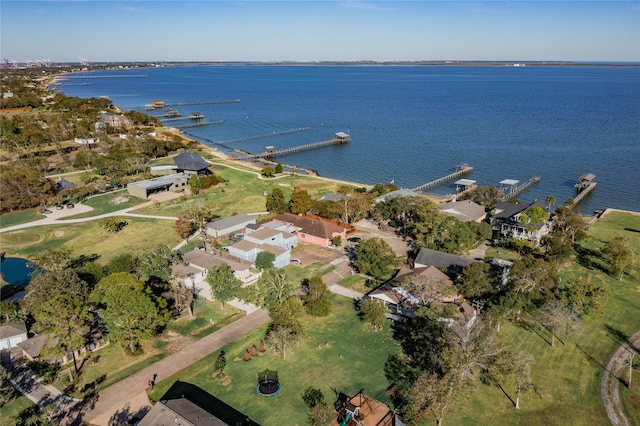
[[610, 383]]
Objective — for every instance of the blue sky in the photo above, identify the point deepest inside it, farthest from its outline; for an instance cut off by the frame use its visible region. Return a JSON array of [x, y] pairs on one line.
[[210, 30]]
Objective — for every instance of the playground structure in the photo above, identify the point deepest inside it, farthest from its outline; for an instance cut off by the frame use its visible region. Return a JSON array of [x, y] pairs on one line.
[[268, 384], [360, 410]]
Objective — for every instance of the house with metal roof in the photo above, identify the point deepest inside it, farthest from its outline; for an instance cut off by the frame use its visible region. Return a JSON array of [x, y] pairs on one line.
[[188, 162], [145, 188], [230, 225]]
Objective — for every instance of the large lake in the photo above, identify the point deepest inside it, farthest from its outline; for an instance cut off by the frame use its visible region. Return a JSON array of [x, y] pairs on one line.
[[414, 124]]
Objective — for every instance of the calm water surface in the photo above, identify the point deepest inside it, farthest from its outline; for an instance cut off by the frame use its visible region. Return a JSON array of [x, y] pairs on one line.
[[414, 124]]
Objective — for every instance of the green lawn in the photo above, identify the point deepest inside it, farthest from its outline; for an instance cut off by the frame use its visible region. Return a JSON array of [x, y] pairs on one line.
[[567, 376], [102, 204], [209, 317], [19, 217], [88, 238], [243, 193], [353, 359], [12, 409], [356, 282]]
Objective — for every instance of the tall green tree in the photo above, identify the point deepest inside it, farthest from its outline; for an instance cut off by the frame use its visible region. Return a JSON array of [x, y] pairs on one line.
[[375, 257], [44, 287], [224, 285], [300, 202], [477, 280], [276, 202], [130, 313], [431, 395], [52, 260], [317, 297], [286, 326], [157, 263], [269, 291], [67, 319], [265, 259], [619, 256], [373, 312]]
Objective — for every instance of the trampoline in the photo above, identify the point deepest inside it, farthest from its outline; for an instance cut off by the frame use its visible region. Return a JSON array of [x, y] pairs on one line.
[[268, 384]]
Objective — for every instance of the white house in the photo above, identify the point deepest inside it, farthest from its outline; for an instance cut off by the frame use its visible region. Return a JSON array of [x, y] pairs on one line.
[[248, 250], [273, 237], [12, 334], [229, 225]]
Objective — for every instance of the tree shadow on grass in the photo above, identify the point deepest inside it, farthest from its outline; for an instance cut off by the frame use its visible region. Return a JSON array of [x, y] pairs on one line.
[[75, 415], [506, 394], [589, 258], [533, 326], [597, 363], [620, 338]]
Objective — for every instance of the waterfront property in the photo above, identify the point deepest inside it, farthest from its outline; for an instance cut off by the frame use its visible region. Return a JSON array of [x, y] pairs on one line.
[[508, 221], [173, 182], [464, 211]]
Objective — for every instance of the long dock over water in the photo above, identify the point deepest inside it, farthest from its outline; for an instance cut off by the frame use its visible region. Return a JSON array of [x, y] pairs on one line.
[[517, 190], [268, 135], [461, 170], [339, 138], [585, 186]]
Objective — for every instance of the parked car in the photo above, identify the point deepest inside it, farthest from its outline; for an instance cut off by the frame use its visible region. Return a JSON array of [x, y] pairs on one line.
[[296, 261], [46, 211], [59, 207], [70, 205]]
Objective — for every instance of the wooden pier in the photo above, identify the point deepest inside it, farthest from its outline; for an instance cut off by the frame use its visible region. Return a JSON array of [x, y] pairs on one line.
[[584, 186], [517, 190], [199, 123], [268, 135], [461, 170], [339, 138]]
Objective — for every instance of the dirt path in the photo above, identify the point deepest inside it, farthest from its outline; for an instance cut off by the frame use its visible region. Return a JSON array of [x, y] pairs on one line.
[[610, 383]]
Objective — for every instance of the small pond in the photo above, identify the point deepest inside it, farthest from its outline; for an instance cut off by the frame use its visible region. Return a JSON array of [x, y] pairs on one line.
[[16, 271]]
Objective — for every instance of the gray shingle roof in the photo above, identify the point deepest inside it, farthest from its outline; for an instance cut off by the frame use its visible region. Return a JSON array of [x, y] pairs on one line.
[[440, 259], [190, 161]]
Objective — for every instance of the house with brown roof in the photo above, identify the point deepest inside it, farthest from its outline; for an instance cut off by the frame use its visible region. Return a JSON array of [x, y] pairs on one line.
[[310, 230]]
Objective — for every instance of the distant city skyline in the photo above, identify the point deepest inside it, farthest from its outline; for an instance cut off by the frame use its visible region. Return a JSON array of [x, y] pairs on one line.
[[209, 30]]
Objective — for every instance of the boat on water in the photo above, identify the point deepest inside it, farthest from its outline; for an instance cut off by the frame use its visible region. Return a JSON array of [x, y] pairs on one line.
[[171, 113]]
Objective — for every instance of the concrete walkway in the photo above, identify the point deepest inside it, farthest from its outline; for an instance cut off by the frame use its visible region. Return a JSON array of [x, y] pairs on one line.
[[31, 386], [115, 402]]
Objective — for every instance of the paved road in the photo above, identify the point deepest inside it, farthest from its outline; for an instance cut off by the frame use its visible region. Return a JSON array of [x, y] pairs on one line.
[[610, 383], [117, 398]]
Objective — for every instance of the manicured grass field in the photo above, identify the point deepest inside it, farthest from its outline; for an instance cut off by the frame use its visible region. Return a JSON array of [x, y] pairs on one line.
[[12, 409], [353, 359], [19, 217], [208, 318], [102, 204], [88, 238], [567, 376], [243, 193]]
